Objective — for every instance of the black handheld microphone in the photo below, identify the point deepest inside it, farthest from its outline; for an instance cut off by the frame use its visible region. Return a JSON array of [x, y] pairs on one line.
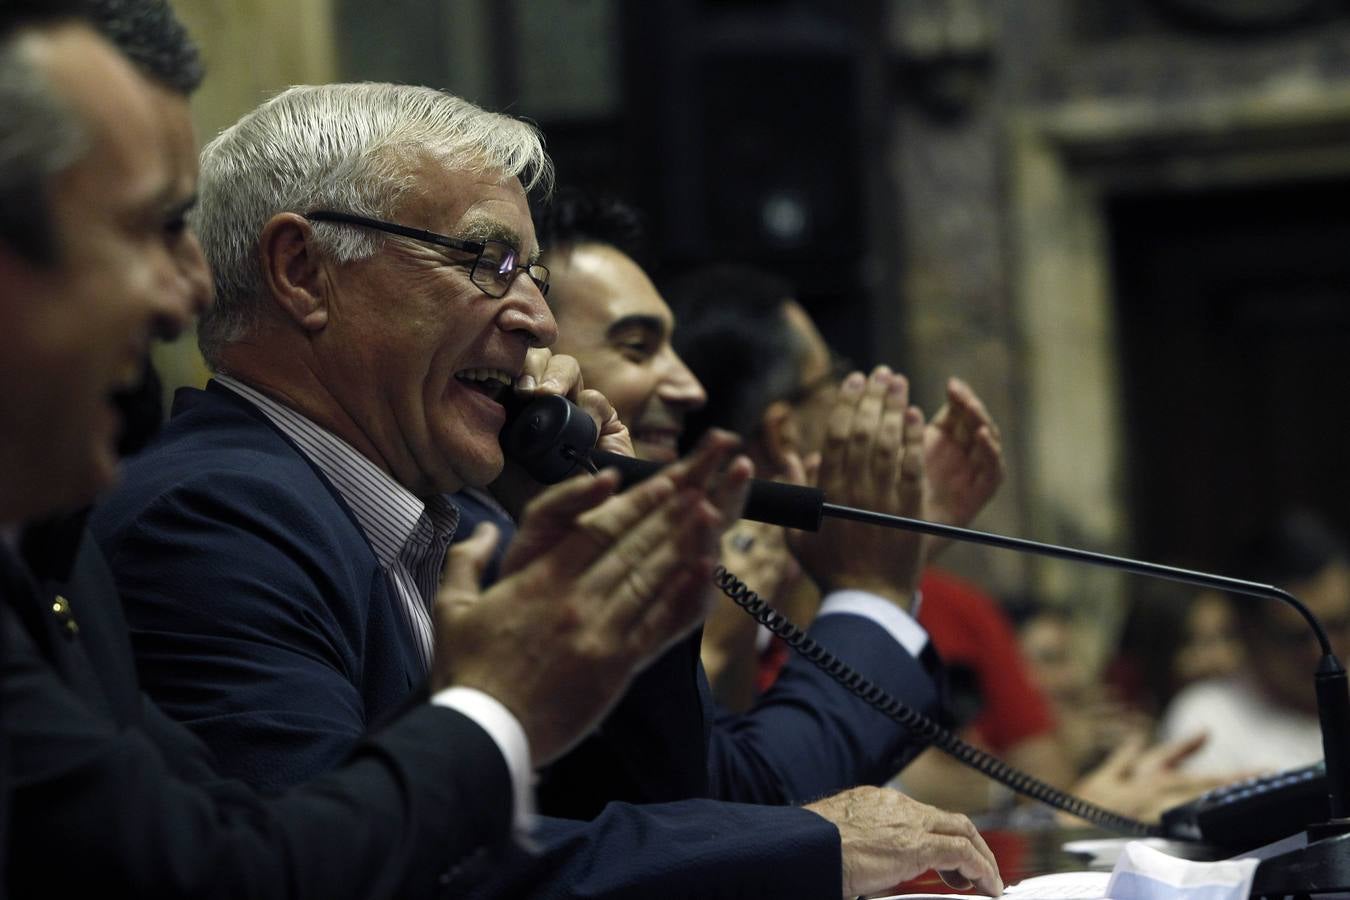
[[789, 505], [552, 438]]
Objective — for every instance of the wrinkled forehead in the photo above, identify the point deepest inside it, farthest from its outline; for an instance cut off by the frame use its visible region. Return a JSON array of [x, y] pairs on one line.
[[602, 285], [465, 198]]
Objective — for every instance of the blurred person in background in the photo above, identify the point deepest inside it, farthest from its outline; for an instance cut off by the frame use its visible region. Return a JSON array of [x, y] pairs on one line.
[[1174, 635], [1212, 648], [1092, 720], [1263, 715], [770, 376], [771, 379]]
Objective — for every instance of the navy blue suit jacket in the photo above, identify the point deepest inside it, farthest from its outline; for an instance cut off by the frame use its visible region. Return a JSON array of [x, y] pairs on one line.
[[261, 619], [260, 615], [112, 798]]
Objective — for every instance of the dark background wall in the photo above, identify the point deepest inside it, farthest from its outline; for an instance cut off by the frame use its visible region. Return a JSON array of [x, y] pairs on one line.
[[1122, 221]]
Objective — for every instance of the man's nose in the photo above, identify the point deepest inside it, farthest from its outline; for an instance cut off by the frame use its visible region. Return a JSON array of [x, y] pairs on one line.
[[525, 310], [680, 386]]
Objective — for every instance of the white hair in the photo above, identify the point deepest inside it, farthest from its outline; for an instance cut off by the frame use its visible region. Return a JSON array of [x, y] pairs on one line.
[[345, 147]]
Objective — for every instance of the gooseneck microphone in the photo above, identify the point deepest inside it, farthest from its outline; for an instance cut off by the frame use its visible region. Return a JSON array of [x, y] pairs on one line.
[[552, 438], [803, 508]]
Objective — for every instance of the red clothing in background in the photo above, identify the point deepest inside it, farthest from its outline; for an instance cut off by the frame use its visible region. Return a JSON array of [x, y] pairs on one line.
[[969, 628]]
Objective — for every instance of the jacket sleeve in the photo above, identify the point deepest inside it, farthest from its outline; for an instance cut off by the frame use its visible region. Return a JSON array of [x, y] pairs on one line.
[[666, 851], [808, 737], [98, 810]]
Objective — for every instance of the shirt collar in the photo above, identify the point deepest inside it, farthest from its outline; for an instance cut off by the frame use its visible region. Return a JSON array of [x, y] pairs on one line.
[[387, 512]]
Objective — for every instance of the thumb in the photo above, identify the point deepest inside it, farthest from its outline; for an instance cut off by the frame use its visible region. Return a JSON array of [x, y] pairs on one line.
[[462, 575]]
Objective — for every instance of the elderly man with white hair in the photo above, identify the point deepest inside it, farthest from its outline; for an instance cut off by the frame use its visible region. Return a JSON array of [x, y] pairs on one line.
[[102, 793], [378, 295]]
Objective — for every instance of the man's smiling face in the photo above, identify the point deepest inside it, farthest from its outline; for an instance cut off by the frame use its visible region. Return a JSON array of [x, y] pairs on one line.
[[611, 318], [417, 354]]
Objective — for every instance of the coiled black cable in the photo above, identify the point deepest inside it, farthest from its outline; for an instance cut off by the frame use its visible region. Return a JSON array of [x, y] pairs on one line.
[[918, 724]]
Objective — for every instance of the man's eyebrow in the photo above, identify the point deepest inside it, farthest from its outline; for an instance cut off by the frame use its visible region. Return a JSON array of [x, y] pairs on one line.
[[647, 322], [493, 230]]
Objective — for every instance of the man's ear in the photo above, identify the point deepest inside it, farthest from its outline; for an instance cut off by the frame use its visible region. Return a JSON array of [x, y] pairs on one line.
[[292, 272], [779, 434]]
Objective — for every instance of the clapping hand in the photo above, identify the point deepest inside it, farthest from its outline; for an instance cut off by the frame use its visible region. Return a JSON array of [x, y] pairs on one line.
[[963, 456]]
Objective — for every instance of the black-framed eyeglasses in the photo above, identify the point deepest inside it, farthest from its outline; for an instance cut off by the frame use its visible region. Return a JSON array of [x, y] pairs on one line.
[[494, 266]]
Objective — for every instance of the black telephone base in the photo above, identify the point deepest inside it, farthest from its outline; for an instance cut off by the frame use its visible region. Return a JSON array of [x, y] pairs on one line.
[[1322, 867]]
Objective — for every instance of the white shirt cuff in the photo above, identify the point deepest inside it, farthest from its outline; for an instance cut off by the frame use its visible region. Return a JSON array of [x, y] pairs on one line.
[[505, 731], [899, 624]]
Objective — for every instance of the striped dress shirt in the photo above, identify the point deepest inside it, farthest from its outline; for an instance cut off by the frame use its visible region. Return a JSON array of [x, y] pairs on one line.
[[409, 536]]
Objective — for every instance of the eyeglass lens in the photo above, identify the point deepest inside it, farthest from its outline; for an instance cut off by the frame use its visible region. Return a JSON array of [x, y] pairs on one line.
[[497, 268]]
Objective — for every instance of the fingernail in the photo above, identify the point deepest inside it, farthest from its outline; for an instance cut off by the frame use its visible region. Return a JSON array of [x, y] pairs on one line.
[[854, 382], [525, 383]]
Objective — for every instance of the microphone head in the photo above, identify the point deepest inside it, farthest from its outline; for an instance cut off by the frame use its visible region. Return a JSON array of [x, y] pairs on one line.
[[551, 438]]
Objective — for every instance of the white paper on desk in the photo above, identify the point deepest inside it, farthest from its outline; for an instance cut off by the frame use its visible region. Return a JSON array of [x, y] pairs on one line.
[[1059, 886], [1143, 873]]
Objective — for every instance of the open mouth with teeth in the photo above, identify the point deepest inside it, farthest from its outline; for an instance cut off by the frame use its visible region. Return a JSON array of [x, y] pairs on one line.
[[659, 444], [494, 383]]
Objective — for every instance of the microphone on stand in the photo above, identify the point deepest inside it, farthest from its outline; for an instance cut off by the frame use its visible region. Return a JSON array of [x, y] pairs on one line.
[[552, 438], [1324, 864], [804, 508]]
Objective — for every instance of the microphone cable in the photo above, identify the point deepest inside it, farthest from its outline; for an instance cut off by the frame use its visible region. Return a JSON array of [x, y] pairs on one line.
[[918, 724]]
